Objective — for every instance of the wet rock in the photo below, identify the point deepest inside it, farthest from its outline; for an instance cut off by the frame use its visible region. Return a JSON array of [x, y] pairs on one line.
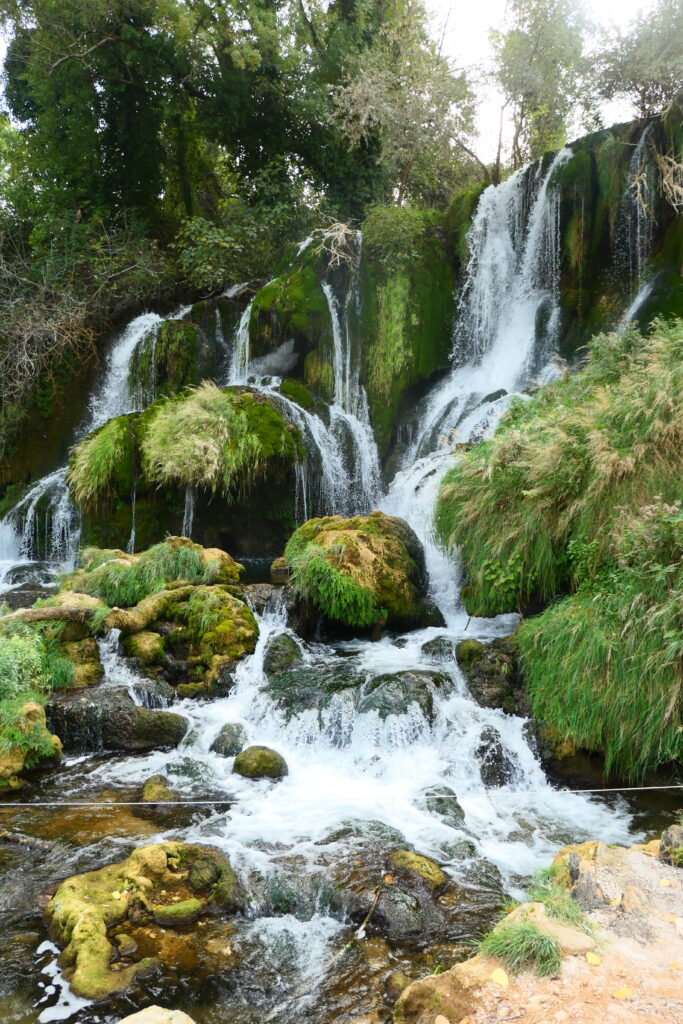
[[311, 686], [260, 763], [155, 694], [156, 789], [282, 652], [494, 764], [393, 693], [157, 1015], [442, 800], [395, 984], [145, 887], [493, 674], [230, 740], [671, 846], [108, 719], [280, 571], [440, 649], [400, 914]]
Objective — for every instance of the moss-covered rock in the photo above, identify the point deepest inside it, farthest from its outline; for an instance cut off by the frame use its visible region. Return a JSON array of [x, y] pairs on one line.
[[418, 866], [260, 763], [493, 674], [157, 789], [146, 646], [361, 572], [224, 516], [85, 658], [108, 719], [282, 652], [230, 740], [393, 693], [86, 908], [37, 746]]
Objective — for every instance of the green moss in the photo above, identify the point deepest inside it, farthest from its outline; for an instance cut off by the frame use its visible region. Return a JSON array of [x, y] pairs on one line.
[[296, 392], [319, 375], [176, 915], [293, 305], [102, 464], [458, 218], [260, 763], [416, 864]]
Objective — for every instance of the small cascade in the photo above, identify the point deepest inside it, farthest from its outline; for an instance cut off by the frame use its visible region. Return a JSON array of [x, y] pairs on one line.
[[188, 512], [239, 363], [143, 371], [45, 525], [130, 546], [634, 233]]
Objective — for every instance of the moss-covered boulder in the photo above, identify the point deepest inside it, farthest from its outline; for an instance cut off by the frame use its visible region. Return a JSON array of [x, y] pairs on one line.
[[230, 741], [146, 646], [174, 355], [37, 746], [86, 909], [282, 652], [108, 719], [362, 572], [229, 449], [494, 675], [157, 789], [84, 655], [260, 763]]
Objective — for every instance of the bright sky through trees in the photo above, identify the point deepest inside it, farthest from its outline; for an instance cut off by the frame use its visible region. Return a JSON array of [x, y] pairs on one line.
[[466, 40]]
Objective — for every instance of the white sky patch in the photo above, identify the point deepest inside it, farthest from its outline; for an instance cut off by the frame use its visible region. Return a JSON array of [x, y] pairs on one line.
[[466, 41]]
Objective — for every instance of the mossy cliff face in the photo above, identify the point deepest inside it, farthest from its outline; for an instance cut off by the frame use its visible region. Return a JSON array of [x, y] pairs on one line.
[[599, 259], [111, 468], [360, 572], [170, 884]]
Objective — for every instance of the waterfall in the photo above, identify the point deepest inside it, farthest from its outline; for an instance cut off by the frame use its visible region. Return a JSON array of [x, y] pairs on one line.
[[188, 512], [507, 323], [634, 233], [130, 546], [44, 525], [239, 364]]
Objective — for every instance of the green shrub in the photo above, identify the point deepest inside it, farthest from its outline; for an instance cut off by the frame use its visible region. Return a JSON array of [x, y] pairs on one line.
[[522, 946], [395, 234], [22, 660], [123, 584], [200, 440]]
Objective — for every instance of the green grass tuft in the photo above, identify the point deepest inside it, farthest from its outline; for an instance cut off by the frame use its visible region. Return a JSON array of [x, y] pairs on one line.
[[521, 946], [122, 584], [558, 901], [95, 461], [332, 592]]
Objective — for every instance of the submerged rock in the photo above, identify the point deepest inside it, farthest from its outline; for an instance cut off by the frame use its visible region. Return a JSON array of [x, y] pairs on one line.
[[85, 908], [495, 765], [108, 719], [394, 693], [157, 1015], [230, 740], [260, 763], [441, 648]]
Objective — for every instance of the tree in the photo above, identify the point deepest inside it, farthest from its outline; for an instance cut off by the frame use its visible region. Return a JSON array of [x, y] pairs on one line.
[[540, 67], [645, 62], [406, 97]]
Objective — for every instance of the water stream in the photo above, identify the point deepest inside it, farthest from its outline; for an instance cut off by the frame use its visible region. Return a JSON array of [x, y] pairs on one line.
[[358, 782]]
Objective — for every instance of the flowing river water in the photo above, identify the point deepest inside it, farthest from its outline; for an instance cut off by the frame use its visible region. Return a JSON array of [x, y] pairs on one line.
[[358, 783]]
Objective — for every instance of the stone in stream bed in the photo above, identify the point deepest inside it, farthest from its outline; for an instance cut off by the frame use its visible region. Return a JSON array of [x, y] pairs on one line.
[[157, 1015], [169, 883], [496, 767], [260, 763], [109, 719], [230, 740], [393, 693], [282, 652]]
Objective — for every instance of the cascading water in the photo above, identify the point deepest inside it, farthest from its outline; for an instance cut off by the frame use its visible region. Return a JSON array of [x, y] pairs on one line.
[[44, 525], [352, 770], [188, 511]]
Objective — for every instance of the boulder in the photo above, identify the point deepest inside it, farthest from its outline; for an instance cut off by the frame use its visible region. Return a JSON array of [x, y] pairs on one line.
[[146, 646], [109, 719], [442, 800], [454, 994], [41, 747], [84, 655], [418, 867], [86, 908], [375, 572], [494, 764], [393, 693], [671, 846], [230, 740], [157, 789], [493, 674], [312, 686], [260, 763], [441, 649], [282, 652]]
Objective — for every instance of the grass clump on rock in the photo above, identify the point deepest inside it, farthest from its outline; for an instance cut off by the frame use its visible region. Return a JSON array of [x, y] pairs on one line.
[[96, 462], [522, 946], [123, 580]]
